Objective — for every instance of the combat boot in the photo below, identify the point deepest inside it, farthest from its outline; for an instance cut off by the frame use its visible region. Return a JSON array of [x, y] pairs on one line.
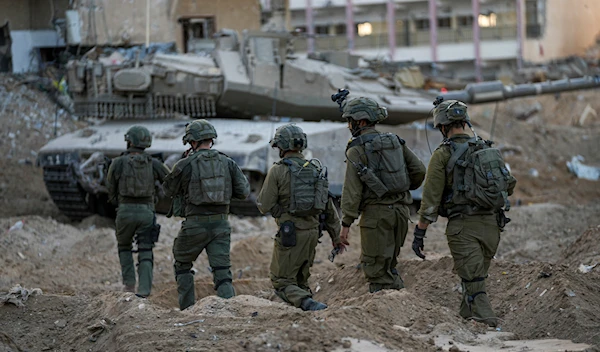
[[310, 304], [476, 304]]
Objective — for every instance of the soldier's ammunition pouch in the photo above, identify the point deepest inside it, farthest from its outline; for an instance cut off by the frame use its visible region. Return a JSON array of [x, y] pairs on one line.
[[287, 234], [150, 236], [373, 182], [502, 219]]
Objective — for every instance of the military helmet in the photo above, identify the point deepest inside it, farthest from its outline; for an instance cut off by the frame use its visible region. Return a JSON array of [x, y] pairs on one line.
[[199, 130], [450, 111], [289, 137], [364, 109], [139, 137]]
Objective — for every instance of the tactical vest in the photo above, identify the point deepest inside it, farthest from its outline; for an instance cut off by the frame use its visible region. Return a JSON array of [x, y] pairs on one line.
[[137, 178], [210, 182], [308, 187], [386, 172], [480, 178]]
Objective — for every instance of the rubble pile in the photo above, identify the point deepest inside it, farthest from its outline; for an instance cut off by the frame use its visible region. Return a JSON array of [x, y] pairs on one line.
[[29, 119]]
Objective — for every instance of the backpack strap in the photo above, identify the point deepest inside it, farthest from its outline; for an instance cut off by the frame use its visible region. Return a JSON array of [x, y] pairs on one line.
[[362, 139], [458, 150]]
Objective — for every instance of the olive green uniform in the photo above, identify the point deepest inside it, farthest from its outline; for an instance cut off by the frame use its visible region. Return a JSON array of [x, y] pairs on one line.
[[472, 237], [206, 227], [290, 266], [383, 222], [135, 217]]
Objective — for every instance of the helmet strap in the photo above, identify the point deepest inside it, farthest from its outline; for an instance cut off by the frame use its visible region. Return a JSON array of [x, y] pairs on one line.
[[355, 127]]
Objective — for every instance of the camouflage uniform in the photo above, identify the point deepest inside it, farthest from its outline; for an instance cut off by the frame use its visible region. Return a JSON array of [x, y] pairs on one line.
[[473, 237], [206, 225], [135, 195], [383, 220], [290, 266]]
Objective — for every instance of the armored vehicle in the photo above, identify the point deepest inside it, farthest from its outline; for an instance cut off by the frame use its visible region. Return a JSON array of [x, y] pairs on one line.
[[240, 87]]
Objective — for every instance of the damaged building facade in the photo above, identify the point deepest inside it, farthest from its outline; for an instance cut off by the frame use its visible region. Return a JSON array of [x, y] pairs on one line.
[[38, 29], [456, 33]]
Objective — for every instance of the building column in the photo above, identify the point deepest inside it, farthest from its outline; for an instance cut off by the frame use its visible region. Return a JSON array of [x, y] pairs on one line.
[[350, 25], [520, 36], [310, 27], [391, 24], [476, 44], [433, 30]]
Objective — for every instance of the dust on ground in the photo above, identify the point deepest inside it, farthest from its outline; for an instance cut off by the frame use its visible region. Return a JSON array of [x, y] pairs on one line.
[[537, 285]]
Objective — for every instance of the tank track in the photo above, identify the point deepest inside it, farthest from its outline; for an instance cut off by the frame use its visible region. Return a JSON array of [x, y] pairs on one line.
[[66, 192]]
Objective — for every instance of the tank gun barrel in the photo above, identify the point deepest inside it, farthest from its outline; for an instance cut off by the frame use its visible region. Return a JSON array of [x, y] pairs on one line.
[[476, 93]]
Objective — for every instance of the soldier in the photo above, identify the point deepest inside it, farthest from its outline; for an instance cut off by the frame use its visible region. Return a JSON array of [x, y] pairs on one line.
[[295, 192], [473, 208], [380, 171], [202, 186], [131, 187]]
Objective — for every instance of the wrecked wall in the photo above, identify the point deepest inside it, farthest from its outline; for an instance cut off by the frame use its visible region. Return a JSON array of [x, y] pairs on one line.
[[570, 28], [123, 22], [31, 14]]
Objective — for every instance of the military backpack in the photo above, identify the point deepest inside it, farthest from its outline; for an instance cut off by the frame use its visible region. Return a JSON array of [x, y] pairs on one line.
[[386, 172], [480, 176], [210, 182], [137, 178], [308, 187]]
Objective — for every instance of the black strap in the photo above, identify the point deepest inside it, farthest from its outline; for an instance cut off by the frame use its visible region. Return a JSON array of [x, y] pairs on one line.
[[215, 268], [458, 150], [362, 139], [221, 282], [477, 279], [182, 272], [472, 297]]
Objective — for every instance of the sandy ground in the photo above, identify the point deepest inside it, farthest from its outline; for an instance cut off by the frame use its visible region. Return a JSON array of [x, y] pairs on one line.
[[546, 299]]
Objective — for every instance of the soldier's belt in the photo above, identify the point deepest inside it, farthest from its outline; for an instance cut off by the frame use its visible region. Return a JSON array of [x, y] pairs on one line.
[[208, 218], [137, 205]]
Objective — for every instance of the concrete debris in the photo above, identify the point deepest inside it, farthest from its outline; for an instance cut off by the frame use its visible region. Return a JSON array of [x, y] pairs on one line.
[[580, 170], [526, 114], [189, 323], [584, 269], [97, 329], [17, 295], [534, 172], [17, 226], [585, 114]]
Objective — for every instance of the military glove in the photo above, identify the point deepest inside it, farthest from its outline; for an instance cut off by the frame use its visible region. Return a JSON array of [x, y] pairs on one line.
[[418, 245], [340, 246]]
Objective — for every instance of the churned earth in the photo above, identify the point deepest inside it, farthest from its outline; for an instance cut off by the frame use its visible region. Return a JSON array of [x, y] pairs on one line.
[[543, 283]]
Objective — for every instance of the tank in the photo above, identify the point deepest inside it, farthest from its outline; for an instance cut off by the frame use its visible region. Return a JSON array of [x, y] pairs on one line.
[[246, 87]]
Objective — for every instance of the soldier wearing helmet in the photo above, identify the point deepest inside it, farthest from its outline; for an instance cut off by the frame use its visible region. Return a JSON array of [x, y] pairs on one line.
[[295, 192], [380, 172], [473, 231], [202, 186], [131, 187]]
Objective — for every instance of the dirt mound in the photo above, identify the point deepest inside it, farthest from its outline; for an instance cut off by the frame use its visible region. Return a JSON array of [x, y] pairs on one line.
[[82, 262], [586, 250], [541, 145]]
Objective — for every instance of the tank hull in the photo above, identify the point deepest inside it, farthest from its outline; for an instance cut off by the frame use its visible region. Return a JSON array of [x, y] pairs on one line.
[[75, 172]]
